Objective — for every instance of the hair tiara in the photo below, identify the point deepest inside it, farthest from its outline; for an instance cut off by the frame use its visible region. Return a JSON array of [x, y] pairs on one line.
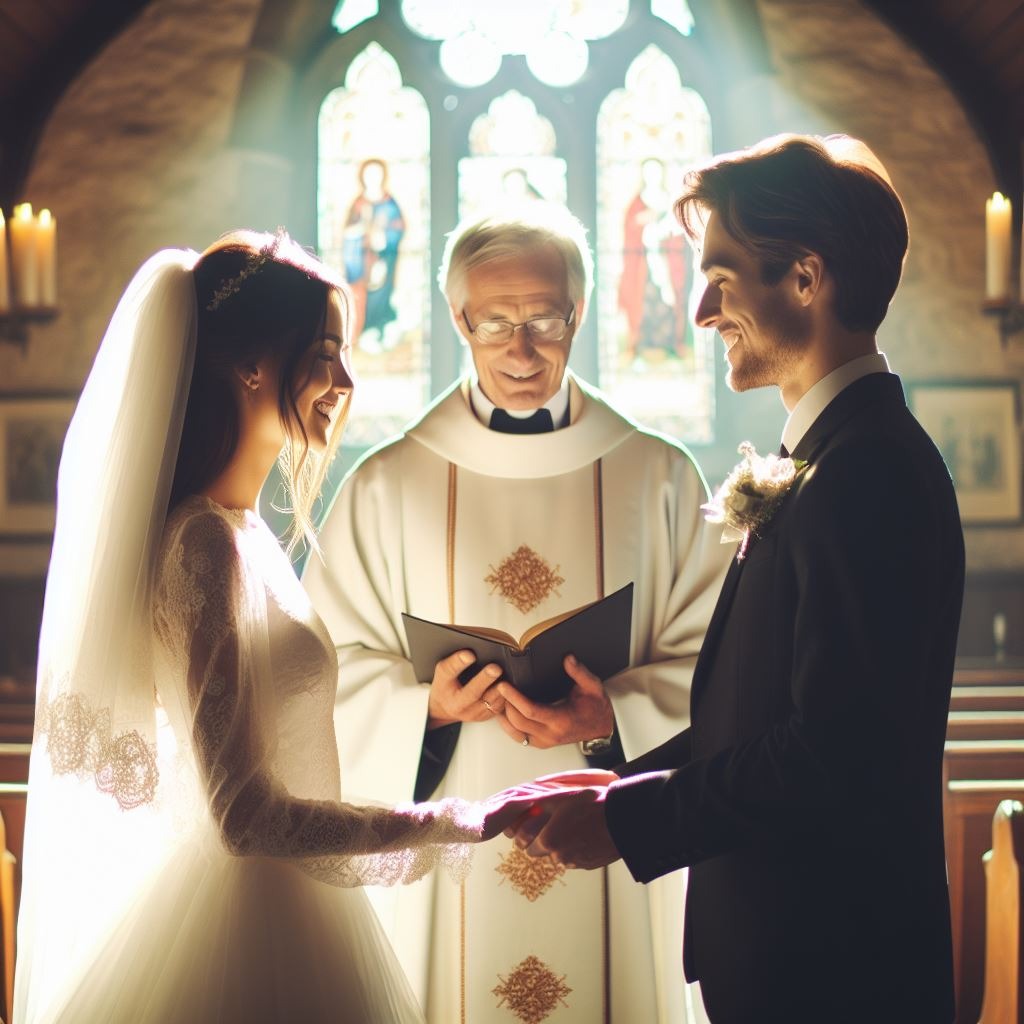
[[253, 264]]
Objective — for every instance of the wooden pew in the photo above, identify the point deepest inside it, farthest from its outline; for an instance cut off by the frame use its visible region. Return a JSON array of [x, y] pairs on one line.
[[985, 725], [12, 839], [983, 759], [8, 920], [16, 722], [968, 808], [968, 817], [1004, 923], [987, 698], [14, 761]]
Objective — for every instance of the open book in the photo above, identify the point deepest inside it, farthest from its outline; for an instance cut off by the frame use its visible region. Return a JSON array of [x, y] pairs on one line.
[[597, 633]]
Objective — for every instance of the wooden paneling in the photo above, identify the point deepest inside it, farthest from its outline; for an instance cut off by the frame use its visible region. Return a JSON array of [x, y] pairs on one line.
[[986, 595]]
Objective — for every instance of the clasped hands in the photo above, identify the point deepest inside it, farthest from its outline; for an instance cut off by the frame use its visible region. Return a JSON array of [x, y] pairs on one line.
[[558, 816], [585, 714]]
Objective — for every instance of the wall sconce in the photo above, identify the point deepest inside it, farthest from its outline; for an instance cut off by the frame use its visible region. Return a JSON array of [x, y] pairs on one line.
[[999, 299], [28, 271]]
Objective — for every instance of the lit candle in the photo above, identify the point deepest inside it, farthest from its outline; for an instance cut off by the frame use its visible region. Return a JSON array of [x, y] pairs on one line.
[[46, 258], [998, 221], [23, 257], [5, 294]]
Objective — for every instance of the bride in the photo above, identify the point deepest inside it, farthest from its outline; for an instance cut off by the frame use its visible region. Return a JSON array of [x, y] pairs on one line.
[[187, 856]]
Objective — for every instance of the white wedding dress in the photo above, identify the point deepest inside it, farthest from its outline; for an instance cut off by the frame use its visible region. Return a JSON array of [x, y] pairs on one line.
[[247, 906]]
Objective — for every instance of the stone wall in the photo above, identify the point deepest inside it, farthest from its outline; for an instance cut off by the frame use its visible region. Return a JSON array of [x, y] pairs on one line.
[[133, 158], [840, 69]]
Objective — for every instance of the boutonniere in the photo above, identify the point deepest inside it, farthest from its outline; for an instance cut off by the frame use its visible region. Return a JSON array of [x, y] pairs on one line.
[[751, 495]]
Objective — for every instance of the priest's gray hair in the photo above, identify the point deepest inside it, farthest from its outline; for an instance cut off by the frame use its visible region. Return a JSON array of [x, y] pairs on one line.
[[510, 231]]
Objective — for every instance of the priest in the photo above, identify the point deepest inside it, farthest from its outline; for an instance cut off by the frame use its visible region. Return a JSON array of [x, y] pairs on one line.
[[518, 494]]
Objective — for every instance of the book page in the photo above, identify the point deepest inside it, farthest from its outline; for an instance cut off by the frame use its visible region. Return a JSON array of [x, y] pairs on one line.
[[486, 633], [538, 628]]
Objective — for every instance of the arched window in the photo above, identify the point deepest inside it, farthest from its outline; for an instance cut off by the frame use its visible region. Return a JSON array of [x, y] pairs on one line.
[[654, 363], [373, 224], [438, 107]]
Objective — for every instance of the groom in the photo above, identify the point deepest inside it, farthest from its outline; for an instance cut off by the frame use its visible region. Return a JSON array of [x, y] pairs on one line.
[[806, 794]]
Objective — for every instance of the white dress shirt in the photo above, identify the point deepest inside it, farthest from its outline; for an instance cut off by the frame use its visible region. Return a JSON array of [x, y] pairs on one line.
[[813, 403]]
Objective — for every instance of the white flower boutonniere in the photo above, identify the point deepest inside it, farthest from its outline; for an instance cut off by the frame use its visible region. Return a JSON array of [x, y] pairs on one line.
[[751, 494]]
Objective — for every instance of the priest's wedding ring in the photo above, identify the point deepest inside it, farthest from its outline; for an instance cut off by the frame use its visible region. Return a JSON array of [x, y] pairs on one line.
[[488, 706]]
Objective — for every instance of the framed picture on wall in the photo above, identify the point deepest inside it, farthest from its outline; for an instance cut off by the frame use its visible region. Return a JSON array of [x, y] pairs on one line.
[[32, 429], [976, 426]]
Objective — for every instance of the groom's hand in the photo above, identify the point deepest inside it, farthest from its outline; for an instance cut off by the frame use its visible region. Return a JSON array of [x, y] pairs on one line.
[[569, 827], [584, 715], [505, 811]]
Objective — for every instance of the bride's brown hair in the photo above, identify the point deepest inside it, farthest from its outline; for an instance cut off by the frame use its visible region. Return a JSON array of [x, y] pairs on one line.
[[256, 295]]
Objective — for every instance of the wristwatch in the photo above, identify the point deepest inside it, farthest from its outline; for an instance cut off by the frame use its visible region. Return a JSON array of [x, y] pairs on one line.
[[601, 745]]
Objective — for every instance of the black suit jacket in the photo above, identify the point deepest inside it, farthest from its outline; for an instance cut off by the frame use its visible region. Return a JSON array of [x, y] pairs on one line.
[[806, 794]]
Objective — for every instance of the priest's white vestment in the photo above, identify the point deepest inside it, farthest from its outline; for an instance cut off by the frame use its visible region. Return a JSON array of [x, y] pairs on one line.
[[455, 522]]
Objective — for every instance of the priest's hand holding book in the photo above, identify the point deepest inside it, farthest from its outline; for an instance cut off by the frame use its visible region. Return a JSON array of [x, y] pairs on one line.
[[453, 699], [545, 687], [585, 714]]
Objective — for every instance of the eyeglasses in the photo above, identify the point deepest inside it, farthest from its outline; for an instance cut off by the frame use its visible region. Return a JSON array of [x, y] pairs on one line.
[[540, 328]]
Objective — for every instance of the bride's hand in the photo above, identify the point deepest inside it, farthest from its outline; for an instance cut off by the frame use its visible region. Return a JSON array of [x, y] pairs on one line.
[[505, 810], [576, 778]]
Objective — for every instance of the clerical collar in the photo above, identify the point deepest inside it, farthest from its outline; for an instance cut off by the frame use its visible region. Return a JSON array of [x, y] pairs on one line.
[[557, 405], [813, 403]]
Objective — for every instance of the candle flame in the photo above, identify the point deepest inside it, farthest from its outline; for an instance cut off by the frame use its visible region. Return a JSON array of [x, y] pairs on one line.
[[23, 211], [45, 217], [998, 201]]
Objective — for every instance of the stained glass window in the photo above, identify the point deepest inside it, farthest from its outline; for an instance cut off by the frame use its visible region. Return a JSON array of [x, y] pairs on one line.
[[676, 12], [350, 13], [653, 362], [512, 157], [553, 34], [374, 226]]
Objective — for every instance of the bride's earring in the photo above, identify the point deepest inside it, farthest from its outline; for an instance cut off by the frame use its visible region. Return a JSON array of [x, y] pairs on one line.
[[250, 379]]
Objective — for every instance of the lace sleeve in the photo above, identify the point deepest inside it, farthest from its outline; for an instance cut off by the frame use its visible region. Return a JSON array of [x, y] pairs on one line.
[[212, 614]]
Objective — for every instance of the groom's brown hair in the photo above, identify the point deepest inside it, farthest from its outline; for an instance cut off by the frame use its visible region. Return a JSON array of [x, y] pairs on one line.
[[797, 194]]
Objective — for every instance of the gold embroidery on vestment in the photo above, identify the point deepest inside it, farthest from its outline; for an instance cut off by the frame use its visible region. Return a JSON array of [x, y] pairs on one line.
[[532, 991], [524, 579], [530, 876]]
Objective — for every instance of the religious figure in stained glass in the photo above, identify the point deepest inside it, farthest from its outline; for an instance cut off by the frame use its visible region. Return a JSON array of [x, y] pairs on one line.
[[516, 186], [373, 233], [374, 226], [655, 272], [512, 157], [653, 362]]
